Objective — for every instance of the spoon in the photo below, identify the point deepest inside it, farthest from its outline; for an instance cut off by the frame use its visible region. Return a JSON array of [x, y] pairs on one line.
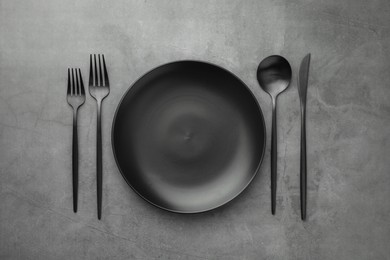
[[274, 76]]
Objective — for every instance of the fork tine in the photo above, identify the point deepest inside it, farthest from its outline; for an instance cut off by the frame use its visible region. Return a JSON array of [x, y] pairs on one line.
[[73, 85], [69, 92], [106, 82], [100, 73], [90, 71], [77, 83], [81, 83], [96, 75]]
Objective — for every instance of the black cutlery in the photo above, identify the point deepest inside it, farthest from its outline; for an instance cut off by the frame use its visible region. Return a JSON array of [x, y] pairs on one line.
[[99, 88], [303, 78], [75, 97], [274, 76]]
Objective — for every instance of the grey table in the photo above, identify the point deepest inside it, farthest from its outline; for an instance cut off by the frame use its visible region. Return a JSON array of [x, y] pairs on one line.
[[348, 128]]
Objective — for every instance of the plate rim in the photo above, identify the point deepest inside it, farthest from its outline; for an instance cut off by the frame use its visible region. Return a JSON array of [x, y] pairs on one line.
[[244, 186]]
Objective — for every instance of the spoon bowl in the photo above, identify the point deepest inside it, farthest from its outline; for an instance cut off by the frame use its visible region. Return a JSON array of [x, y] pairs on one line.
[[274, 76]]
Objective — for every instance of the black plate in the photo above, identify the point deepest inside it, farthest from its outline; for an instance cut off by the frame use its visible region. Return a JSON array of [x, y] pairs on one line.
[[188, 136]]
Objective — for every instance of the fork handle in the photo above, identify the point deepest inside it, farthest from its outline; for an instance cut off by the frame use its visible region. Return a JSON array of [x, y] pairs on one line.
[[99, 175], [75, 161]]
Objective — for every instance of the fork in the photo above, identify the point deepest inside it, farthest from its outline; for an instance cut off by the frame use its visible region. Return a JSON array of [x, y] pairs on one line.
[[99, 88], [75, 97]]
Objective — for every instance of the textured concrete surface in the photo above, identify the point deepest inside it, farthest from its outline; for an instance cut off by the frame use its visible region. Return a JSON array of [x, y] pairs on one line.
[[348, 128]]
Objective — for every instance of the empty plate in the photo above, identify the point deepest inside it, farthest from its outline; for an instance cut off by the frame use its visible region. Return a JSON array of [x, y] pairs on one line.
[[188, 136]]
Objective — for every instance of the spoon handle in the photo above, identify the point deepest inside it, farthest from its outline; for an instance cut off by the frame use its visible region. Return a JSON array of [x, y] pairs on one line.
[[274, 157], [303, 173]]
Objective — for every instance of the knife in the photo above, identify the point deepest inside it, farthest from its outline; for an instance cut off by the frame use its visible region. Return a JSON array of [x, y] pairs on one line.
[[303, 79]]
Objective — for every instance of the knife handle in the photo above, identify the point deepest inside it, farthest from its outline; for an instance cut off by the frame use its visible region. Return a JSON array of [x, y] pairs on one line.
[[303, 166]]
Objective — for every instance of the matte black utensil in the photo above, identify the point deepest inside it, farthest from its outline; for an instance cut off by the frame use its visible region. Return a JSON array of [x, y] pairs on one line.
[[274, 76], [99, 88], [75, 97], [303, 78]]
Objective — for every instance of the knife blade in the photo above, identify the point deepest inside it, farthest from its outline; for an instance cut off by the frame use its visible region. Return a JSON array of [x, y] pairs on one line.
[[303, 79]]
